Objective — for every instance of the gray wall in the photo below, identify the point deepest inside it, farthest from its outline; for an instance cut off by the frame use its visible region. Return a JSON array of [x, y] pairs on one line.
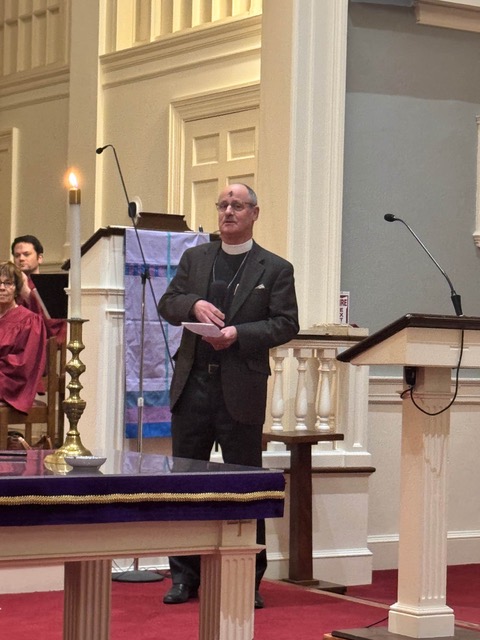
[[413, 94]]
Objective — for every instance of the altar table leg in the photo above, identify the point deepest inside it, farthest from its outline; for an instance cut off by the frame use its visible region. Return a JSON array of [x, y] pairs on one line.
[[227, 594], [421, 610], [87, 600]]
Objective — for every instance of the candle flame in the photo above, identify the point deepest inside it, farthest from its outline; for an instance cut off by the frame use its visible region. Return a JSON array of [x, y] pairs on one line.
[[73, 180]]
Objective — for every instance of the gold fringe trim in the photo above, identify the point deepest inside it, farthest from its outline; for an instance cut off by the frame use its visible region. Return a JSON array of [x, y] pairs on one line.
[[110, 498]]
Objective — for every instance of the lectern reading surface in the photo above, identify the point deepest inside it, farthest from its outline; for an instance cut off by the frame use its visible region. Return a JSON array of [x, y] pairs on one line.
[[419, 340]]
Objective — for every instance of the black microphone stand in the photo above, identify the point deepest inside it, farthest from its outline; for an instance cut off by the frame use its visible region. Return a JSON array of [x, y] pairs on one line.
[[140, 402], [136, 574], [454, 296]]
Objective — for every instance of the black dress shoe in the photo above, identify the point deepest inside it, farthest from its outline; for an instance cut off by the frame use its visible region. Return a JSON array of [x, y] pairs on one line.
[[180, 593], [259, 602]]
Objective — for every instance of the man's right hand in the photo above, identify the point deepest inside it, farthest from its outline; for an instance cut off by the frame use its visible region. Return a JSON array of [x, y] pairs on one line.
[[207, 312]]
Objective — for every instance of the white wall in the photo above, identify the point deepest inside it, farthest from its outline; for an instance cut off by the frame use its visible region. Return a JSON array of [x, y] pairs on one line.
[[41, 199], [410, 149]]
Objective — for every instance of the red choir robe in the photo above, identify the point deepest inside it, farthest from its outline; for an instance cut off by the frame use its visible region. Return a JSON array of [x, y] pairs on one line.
[[23, 340]]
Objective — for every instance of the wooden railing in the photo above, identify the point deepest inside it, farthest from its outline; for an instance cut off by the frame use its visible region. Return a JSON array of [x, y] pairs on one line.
[[33, 35], [311, 390], [138, 22]]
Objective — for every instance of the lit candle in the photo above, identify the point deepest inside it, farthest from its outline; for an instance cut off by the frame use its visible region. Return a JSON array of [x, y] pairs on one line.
[[74, 198]]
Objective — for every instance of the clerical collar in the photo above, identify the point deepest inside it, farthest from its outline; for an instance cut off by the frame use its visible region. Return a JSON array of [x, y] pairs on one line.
[[237, 249]]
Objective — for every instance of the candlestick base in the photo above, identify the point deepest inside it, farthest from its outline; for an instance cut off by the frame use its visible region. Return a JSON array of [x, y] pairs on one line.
[[72, 447], [73, 406]]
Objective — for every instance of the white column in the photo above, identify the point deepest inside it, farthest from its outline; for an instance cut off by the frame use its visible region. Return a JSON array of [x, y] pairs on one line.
[[476, 233], [87, 600], [84, 92], [421, 610], [103, 303], [300, 167], [227, 587]]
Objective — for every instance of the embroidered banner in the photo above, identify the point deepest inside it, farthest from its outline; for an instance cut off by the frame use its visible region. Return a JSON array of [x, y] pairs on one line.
[[162, 251]]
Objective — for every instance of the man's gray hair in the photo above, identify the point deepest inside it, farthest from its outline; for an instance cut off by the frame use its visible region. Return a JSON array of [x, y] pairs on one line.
[[251, 194]]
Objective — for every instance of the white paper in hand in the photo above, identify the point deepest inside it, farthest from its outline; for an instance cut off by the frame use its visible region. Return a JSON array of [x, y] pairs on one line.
[[203, 328]]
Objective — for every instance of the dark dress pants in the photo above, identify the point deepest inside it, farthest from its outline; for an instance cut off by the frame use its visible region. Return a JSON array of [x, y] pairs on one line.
[[199, 420]]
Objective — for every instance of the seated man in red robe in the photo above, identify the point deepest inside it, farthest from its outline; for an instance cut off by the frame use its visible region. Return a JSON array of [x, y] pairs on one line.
[[27, 252], [22, 343]]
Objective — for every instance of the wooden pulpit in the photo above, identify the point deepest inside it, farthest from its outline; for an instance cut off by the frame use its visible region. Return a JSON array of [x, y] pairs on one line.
[[431, 347], [103, 307]]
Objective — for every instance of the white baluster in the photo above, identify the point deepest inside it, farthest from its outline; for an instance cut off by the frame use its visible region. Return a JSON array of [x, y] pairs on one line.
[[278, 401], [301, 403], [323, 404], [332, 421]]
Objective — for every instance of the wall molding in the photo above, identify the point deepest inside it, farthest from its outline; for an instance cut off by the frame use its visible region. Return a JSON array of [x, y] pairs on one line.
[[463, 15], [182, 51], [34, 87]]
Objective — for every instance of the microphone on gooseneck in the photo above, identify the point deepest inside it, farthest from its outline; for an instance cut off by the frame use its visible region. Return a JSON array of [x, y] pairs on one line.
[[456, 299], [132, 206], [218, 294]]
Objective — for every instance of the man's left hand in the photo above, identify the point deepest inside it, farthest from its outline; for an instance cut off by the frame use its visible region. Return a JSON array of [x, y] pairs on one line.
[[228, 337]]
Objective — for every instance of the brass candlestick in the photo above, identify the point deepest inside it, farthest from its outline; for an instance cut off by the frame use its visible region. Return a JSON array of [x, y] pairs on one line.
[[73, 406]]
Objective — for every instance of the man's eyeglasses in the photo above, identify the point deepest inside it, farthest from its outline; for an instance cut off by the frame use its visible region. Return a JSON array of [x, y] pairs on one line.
[[236, 205], [7, 284]]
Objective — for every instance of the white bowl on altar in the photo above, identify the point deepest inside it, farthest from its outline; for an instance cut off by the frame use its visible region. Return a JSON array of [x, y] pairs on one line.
[[85, 462]]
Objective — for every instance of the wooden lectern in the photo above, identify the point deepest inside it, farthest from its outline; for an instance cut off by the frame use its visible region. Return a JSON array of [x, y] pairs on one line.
[[103, 305], [433, 345]]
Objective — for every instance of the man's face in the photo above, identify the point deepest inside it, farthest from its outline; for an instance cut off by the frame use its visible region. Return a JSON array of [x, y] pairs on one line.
[[26, 258], [236, 215]]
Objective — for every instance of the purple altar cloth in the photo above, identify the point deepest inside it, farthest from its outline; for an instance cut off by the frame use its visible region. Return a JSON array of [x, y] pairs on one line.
[[136, 487]]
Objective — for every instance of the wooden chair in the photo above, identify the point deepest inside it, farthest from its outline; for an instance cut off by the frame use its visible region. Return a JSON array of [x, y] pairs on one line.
[[48, 411]]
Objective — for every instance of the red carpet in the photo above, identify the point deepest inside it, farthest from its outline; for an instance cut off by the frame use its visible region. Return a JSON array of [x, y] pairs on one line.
[[463, 590], [291, 612], [138, 613]]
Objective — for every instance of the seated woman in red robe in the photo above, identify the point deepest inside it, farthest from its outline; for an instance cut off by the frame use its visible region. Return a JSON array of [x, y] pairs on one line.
[[22, 343]]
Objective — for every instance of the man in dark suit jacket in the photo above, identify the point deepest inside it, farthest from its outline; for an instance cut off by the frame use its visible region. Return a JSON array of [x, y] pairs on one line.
[[219, 387]]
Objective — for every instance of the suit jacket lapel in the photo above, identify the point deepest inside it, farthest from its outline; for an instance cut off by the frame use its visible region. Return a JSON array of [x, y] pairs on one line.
[[204, 268], [254, 268]]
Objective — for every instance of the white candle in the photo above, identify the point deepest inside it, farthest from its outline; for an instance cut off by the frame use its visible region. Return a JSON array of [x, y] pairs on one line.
[[74, 199]]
